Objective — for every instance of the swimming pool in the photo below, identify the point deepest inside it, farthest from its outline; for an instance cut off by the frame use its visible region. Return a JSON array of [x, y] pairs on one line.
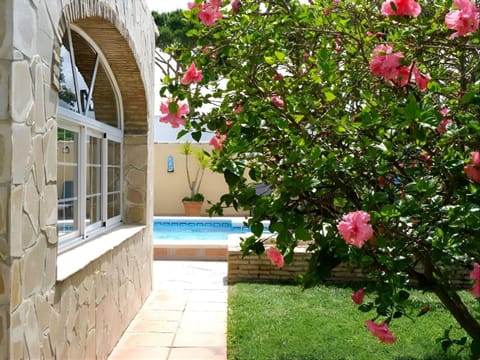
[[196, 238], [196, 229]]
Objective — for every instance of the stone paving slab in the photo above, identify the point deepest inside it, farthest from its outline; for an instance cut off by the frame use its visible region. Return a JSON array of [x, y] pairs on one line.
[[185, 317]]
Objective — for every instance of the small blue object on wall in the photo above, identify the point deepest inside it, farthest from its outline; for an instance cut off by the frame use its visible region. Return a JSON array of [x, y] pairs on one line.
[[170, 166]]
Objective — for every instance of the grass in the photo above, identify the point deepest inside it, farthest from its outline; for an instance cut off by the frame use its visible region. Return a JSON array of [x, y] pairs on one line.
[[270, 322]]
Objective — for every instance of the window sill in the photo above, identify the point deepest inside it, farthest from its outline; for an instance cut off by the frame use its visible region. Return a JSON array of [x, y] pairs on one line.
[[78, 258]]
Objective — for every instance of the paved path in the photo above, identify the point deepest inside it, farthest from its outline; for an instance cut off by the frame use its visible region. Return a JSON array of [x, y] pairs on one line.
[[184, 317]]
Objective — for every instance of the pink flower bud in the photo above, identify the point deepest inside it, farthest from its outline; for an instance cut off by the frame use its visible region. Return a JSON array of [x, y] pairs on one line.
[[277, 101], [358, 297]]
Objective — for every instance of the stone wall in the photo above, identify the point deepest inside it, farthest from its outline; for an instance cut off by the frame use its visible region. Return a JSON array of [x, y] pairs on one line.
[[83, 315], [260, 269]]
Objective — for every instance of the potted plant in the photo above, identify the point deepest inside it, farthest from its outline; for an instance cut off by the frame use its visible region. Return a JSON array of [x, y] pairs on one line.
[[194, 201]]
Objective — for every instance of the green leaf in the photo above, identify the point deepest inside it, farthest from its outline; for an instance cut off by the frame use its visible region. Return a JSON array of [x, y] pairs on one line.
[[388, 211], [302, 234], [402, 295], [269, 60], [329, 96], [276, 227], [197, 135], [475, 348], [250, 244], [397, 314], [280, 56], [253, 174], [412, 110], [173, 107], [192, 32], [446, 344], [257, 229], [231, 178], [366, 307], [299, 117], [182, 133]]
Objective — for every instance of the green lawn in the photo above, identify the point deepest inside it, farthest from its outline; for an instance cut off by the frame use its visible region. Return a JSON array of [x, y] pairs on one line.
[[284, 322]]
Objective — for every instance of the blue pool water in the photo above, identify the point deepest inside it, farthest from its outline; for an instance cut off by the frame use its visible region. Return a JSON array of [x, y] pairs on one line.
[[196, 228]]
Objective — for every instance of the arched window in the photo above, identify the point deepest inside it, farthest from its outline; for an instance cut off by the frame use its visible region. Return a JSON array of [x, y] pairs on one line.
[[90, 142]]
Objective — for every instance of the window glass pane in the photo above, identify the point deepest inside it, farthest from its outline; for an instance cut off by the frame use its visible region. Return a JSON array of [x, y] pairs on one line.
[[103, 103], [94, 180], [113, 180], [67, 95], [85, 59], [114, 153], [67, 181], [104, 97], [113, 205]]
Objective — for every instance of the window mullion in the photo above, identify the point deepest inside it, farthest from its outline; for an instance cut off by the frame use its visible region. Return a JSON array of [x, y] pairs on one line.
[[82, 181], [92, 84], [74, 66], [104, 177]]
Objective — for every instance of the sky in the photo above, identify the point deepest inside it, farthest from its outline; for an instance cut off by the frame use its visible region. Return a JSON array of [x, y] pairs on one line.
[[167, 5]]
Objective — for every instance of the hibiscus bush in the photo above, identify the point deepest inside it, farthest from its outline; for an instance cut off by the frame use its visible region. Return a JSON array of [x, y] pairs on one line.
[[362, 117]]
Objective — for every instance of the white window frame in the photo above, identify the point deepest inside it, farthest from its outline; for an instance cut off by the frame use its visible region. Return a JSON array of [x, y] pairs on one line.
[[84, 126]]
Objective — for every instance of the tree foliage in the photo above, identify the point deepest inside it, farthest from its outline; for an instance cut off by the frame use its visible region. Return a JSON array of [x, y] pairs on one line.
[[294, 93], [172, 27]]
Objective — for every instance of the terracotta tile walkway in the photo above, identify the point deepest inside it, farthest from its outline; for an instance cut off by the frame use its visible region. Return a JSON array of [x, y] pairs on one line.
[[185, 317]]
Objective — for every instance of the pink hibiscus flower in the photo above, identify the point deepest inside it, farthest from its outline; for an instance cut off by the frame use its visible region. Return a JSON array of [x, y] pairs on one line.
[[277, 101], [403, 75], [275, 257], [380, 331], [472, 170], [401, 8], [235, 4], [464, 20], [355, 229], [475, 290], [192, 5], [358, 297], [210, 13], [420, 79], [192, 75], [174, 118], [338, 44], [217, 141], [475, 275], [385, 63], [442, 127], [277, 77]]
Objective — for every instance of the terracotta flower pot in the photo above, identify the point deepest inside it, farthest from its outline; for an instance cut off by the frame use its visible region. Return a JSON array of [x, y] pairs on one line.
[[192, 208]]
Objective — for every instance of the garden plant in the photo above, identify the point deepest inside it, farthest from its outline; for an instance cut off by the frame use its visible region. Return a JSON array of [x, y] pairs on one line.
[[363, 117], [195, 182]]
